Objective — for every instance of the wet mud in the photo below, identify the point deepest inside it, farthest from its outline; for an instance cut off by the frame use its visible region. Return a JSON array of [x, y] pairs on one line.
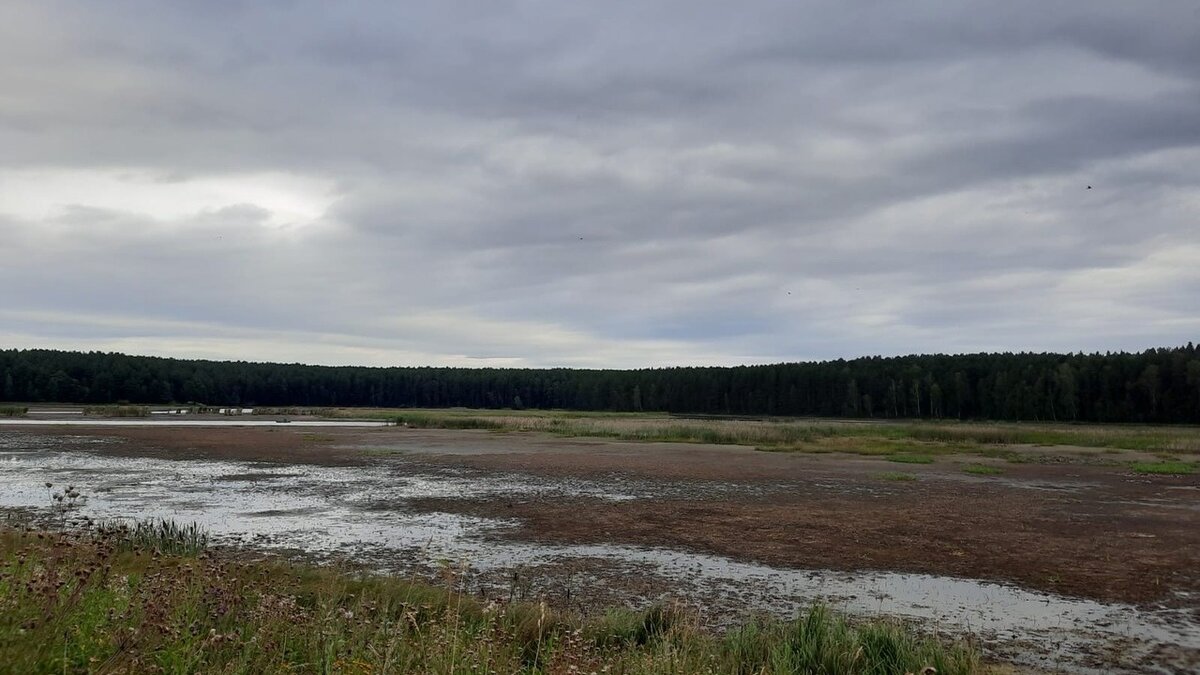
[[1076, 567]]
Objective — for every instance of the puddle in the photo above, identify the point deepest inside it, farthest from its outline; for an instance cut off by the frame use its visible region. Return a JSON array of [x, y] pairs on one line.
[[362, 513]]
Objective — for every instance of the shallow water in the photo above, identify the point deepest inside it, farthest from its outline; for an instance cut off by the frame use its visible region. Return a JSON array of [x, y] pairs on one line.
[[362, 513], [171, 422]]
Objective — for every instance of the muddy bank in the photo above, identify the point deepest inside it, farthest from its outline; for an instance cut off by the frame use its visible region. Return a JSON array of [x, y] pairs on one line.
[[281, 443], [1091, 531], [733, 531], [1135, 555]]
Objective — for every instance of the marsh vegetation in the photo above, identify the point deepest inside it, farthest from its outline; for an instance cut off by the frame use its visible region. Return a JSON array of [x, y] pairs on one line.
[[152, 597], [913, 442], [117, 411]]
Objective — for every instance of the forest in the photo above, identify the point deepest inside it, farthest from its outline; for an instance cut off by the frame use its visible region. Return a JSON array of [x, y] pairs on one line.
[[1157, 385]]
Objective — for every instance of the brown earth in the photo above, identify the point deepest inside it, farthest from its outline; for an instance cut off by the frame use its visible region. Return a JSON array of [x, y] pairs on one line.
[[1061, 524]]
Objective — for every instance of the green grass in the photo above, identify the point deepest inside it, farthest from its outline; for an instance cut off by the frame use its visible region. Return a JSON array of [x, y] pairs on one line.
[[161, 536], [896, 476], [822, 642], [90, 603], [983, 470], [911, 459], [1174, 468], [117, 411], [13, 410]]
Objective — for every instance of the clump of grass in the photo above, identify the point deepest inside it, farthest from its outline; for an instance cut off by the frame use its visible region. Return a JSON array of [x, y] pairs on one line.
[[983, 469], [162, 536], [13, 410], [117, 411], [1175, 468], [426, 421], [823, 642], [622, 627], [70, 603], [293, 411], [896, 476], [910, 459]]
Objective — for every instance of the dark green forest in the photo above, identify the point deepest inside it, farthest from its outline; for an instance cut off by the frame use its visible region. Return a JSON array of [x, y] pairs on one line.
[[1158, 385]]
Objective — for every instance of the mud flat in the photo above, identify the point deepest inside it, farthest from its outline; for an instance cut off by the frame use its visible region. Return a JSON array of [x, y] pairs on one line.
[[173, 423], [1087, 568]]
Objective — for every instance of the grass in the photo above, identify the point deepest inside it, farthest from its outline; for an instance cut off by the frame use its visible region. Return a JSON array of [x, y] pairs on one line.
[[106, 602], [117, 411], [1174, 468], [821, 642], [1015, 442], [983, 470], [13, 410], [896, 476], [911, 459], [161, 536]]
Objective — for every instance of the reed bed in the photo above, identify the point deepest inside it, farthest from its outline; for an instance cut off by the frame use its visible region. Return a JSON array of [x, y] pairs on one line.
[[117, 411], [162, 536], [791, 435]]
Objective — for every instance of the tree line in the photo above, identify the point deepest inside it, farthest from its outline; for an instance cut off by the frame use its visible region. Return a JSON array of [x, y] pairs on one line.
[[1157, 385]]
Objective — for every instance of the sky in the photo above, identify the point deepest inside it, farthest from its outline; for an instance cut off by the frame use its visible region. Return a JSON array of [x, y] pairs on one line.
[[613, 184]]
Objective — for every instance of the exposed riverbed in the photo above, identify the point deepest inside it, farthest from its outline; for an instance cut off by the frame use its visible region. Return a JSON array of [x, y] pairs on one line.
[[368, 514]]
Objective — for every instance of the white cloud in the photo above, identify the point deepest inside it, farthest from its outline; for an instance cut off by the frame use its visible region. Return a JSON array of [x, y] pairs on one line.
[[556, 184], [37, 194]]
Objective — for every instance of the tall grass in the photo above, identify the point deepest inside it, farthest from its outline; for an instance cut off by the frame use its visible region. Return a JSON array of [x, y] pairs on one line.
[[983, 470], [631, 428], [13, 410], [71, 604], [822, 642], [292, 411], [117, 411], [162, 536], [1170, 468], [787, 435]]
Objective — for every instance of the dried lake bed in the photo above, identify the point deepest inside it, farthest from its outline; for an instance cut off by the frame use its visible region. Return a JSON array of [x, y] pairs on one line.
[[407, 502]]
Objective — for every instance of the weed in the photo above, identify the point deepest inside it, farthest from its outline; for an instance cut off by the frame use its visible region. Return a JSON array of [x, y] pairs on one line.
[[161, 536], [117, 411], [983, 470], [112, 600], [806, 435], [822, 642], [1174, 468]]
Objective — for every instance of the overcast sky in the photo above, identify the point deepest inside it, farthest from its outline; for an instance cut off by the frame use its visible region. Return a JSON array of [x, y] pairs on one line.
[[604, 184]]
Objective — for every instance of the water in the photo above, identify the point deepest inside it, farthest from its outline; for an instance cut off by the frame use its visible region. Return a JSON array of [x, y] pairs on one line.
[[363, 513], [147, 422]]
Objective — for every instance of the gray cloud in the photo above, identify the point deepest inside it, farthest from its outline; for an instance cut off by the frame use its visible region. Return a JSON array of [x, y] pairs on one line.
[[634, 184]]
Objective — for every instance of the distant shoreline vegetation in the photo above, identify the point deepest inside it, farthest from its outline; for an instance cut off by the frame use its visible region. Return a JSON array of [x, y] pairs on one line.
[[1157, 385]]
